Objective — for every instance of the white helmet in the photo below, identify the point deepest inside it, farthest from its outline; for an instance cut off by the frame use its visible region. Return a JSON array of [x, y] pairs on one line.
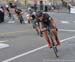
[[34, 13]]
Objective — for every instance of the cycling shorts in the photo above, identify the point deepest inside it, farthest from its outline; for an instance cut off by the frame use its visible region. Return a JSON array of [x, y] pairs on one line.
[[44, 25]]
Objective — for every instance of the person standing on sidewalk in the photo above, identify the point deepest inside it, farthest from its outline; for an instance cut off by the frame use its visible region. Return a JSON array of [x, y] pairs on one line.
[[1, 15]]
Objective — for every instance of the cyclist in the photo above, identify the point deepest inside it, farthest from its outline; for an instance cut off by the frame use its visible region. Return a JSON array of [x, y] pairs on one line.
[[29, 15], [8, 11], [32, 19], [47, 23], [19, 15]]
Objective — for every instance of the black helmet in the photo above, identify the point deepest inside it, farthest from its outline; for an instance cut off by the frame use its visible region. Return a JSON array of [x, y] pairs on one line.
[[39, 14]]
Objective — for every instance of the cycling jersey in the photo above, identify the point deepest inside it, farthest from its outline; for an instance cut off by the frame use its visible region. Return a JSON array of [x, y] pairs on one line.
[[46, 21], [18, 11]]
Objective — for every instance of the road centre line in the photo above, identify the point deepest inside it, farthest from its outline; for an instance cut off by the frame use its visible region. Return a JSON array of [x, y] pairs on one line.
[[34, 50]]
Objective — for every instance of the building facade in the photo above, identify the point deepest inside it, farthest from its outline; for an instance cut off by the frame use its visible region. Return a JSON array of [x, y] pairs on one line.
[[26, 2]]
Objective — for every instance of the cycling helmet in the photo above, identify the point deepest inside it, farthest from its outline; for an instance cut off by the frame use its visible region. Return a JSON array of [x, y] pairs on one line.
[[30, 10], [34, 13], [39, 14]]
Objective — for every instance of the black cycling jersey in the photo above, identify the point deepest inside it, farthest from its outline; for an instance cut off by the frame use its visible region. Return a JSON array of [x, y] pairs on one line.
[[18, 11], [46, 23], [8, 9], [46, 20]]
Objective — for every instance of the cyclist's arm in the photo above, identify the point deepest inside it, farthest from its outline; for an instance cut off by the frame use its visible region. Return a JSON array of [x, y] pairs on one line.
[[38, 26], [29, 18], [53, 22], [22, 13]]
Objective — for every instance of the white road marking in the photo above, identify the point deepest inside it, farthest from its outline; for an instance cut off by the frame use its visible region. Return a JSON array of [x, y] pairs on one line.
[[73, 21], [65, 22], [11, 21], [3, 45], [34, 50], [66, 30], [3, 41]]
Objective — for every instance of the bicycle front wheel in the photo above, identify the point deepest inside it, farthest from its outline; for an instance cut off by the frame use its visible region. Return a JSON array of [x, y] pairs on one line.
[[54, 44]]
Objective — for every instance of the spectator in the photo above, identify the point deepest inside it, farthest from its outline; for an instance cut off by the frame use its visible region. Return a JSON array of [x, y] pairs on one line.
[[1, 15]]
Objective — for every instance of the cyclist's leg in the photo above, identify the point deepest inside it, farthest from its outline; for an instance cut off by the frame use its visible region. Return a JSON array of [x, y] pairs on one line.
[[29, 20], [37, 28], [22, 19], [45, 34], [33, 24], [9, 14], [56, 36]]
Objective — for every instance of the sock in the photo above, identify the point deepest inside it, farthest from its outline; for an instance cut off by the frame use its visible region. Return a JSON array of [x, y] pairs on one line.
[[57, 40]]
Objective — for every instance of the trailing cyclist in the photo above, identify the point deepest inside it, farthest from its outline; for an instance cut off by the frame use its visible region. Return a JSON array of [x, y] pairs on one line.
[[32, 19], [8, 11], [29, 15], [19, 14]]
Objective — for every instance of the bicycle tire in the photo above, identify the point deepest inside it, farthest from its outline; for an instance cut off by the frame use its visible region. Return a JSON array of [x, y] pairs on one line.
[[53, 44], [55, 51]]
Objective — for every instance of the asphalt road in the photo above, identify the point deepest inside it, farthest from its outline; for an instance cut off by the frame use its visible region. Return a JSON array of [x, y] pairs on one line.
[[20, 43]]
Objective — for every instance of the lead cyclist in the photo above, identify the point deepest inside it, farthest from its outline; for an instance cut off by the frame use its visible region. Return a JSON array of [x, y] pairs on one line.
[[47, 23]]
